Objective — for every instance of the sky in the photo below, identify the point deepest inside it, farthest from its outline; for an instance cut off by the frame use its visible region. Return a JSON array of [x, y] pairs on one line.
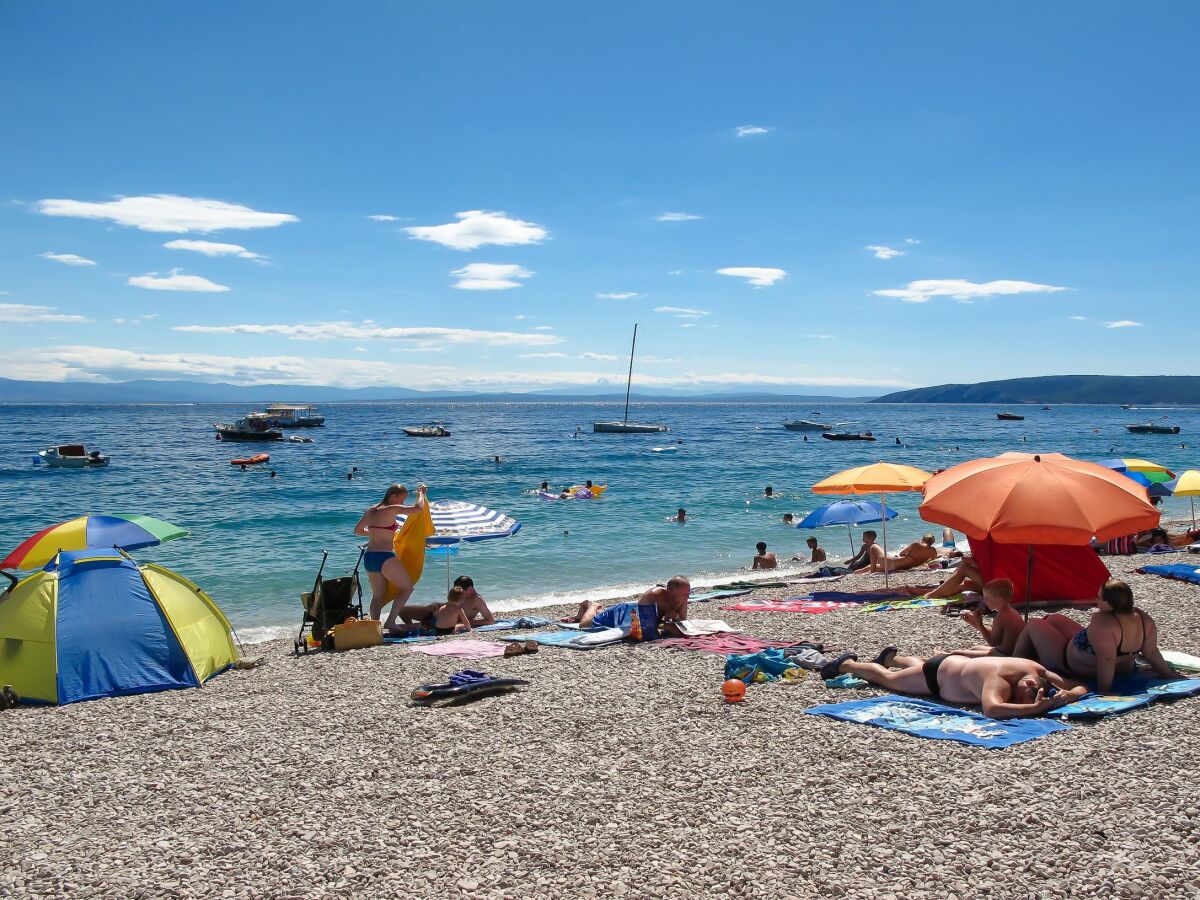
[[839, 197]]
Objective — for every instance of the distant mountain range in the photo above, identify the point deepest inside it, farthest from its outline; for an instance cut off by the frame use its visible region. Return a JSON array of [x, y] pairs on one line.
[[12, 391], [1139, 390]]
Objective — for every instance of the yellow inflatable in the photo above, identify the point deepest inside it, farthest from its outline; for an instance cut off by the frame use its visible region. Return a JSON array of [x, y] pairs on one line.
[[596, 489], [409, 546]]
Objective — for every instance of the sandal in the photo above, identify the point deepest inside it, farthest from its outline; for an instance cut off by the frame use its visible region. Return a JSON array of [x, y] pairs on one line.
[[530, 646], [833, 668], [514, 648], [886, 656]]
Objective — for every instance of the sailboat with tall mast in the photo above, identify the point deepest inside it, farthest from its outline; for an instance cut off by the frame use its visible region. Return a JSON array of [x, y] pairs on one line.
[[625, 426]]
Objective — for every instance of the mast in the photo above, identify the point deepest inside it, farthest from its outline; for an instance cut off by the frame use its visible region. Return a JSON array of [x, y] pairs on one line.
[[629, 380]]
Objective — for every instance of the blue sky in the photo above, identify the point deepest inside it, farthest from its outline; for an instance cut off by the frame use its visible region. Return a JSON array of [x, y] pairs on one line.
[[898, 194]]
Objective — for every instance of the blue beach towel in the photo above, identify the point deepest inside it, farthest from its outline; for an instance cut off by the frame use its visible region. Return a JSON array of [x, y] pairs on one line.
[[1178, 571], [572, 640], [621, 616], [1130, 692], [922, 718]]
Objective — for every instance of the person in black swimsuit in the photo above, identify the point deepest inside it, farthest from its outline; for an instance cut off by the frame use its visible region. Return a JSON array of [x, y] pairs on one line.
[[1108, 646], [1005, 687]]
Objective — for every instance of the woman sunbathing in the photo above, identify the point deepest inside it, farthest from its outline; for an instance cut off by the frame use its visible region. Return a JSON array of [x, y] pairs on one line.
[[1107, 647]]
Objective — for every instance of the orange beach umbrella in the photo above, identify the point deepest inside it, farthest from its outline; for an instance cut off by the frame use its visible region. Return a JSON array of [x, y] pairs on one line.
[[878, 478]]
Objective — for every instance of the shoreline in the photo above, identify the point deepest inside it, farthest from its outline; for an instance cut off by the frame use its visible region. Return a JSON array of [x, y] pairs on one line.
[[618, 771]]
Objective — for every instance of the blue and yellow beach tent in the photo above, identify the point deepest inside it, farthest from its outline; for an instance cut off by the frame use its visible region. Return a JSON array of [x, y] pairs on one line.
[[94, 623]]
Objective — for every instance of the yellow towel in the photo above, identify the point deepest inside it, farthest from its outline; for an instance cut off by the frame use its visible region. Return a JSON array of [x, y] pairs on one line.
[[409, 546]]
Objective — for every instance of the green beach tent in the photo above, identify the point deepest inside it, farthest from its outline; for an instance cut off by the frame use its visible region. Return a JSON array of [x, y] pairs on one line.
[[94, 623]]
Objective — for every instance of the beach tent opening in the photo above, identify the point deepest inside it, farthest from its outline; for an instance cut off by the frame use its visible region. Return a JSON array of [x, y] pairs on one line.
[[97, 624], [1063, 573]]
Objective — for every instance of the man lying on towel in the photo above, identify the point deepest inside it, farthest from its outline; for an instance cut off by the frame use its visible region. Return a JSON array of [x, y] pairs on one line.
[[670, 605], [1006, 687]]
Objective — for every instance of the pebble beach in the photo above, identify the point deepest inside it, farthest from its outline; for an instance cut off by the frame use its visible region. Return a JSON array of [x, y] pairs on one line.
[[617, 772]]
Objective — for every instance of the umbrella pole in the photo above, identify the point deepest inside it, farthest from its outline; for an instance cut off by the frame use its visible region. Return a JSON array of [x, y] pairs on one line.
[[1192, 500], [850, 535], [447, 549], [883, 509], [1029, 583]]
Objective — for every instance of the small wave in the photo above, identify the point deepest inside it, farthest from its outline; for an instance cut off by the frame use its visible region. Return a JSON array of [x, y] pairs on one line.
[[261, 634]]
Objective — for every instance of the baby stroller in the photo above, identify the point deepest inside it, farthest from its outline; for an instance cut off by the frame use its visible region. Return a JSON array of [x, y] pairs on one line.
[[330, 602]]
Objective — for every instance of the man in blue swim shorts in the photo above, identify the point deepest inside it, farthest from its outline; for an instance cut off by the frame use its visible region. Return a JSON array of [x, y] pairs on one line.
[[658, 610]]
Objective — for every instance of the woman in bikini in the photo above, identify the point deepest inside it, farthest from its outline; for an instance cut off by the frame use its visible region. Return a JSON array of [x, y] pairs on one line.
[[378, 525], [1107, 647]]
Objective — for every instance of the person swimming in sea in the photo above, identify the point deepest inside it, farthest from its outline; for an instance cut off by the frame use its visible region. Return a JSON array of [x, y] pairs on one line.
[[378, 524]]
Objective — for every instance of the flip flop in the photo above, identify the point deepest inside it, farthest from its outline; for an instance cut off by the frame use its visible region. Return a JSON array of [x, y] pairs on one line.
[[885, 657], [832, 669]]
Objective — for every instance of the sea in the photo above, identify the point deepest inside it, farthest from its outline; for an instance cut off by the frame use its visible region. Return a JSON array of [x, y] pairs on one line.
[[256, 542]]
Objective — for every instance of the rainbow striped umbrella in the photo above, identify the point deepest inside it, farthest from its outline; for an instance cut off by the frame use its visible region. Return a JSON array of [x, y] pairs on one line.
[[91, 533], [1151, 470]]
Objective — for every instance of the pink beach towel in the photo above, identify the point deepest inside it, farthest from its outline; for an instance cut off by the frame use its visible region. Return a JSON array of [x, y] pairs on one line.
[[463, 649], [789, 604]]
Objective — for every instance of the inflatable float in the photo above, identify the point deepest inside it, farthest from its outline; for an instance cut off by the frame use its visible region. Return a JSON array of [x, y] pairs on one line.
[[576, 492], [255, 460], [464, 691]]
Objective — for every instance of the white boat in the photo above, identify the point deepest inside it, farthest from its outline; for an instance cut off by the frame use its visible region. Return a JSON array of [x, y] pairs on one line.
[[432, 430], [807, 425], [72, 456], [625, 426], [293, 415]]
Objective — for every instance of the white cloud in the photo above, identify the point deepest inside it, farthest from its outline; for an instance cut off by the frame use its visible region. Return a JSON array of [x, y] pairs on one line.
[[25, 314], [167, 212], [677, 217], [675, 272], [607, 357], [819, 337], [176, 282], [476, 227], [748, 130], [382, 218], [1123, 323], [349, 331], [688, 325], [553, 354], [543, 327], [1079, 318], [758, 277], [911, 241], [623, 295], [69, 259], [682, 312], [884, 252], [962, 290], [212, 248], [489, 277]]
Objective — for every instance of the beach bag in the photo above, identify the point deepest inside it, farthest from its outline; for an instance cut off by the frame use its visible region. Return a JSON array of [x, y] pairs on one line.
[[356, 633]]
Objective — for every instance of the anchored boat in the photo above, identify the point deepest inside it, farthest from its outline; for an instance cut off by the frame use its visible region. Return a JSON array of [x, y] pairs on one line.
[[250, 427], [294, 415], [806, 425], [72, 456], [1010, 417], [625, 426], [1152, 428], [432, 430], [847, 436]]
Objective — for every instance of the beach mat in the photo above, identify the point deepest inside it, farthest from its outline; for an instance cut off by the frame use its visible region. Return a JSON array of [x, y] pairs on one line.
[[572, 640], [462, 649], [923, 718], [788, 605], [721, 644], [1130, 692], [1181, 662], [717, 595], [1177, 571], [912, 603], [701, 627]]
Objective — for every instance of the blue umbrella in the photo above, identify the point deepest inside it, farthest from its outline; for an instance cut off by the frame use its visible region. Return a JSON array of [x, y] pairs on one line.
[[847, 512], [1153, 488]]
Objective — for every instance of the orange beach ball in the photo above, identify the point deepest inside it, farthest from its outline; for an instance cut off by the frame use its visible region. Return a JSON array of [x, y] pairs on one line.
[[734, 690]]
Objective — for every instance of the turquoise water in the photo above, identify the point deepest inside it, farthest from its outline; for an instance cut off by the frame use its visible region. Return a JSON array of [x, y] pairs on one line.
[[256, 541]]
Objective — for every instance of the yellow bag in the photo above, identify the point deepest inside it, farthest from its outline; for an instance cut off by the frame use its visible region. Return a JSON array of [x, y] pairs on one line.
[[355, 633]]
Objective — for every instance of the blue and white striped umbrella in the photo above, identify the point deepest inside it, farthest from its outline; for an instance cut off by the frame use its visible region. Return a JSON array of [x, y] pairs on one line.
[[456, 522]]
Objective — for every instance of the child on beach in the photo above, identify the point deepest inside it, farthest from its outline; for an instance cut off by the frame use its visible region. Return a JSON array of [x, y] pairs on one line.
[[451, 618], [1006, 627]]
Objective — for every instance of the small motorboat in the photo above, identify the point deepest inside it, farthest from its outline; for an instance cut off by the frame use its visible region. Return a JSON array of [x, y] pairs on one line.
[[1045, 407], [297, 439], [72, 456], [433, 430], [847, 436], [1010, 417], [807, 425], [251, 427], [1152, 428], [256, 460]]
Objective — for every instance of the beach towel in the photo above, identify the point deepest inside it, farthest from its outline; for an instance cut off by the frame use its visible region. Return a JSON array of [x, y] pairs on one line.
[[1130, 692], [748, 585], [913, 603], [1177, 571], [787, 604], [1181, 662], [765, 665], [723, 644], [923, 718], [510, 624], [409, 546], [639, 621], [572, 640], [409, 639], [462, 649], [717, 595], [697, 627]]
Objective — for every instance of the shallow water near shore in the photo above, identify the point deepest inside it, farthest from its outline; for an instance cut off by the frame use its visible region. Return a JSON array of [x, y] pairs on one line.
[[256, 541]]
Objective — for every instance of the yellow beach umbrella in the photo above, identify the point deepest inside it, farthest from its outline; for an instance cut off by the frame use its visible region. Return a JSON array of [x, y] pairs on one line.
[[1188, 485], [878, 478]]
